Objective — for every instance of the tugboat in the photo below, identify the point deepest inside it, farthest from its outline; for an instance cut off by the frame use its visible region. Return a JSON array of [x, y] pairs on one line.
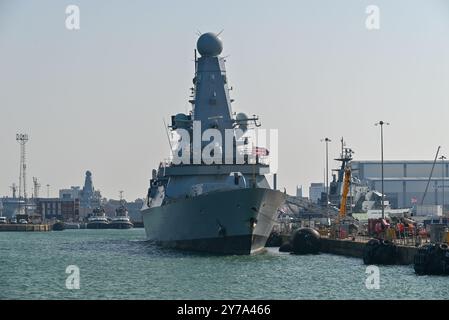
[[121, 219], [212, 196], [98, 220]]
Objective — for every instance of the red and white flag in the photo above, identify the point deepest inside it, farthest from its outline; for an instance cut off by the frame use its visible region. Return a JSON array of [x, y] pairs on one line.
[[260, 151]]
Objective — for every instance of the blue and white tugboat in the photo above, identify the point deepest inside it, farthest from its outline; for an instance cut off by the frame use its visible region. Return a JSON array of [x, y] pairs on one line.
[[98, 219], [121, 219]]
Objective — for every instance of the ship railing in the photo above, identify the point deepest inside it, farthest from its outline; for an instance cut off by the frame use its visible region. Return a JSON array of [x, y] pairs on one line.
[[263, 160], [409, 239]]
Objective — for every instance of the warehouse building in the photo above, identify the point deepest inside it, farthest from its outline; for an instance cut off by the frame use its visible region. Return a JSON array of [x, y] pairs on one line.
[[405, 181]]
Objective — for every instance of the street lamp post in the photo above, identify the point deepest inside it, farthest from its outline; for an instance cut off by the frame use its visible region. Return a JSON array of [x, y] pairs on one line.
[[327, 140], [381, 124], [442, 158]]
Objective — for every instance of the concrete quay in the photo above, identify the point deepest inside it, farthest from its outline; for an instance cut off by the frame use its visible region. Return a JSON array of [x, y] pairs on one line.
[[25, 227], [354, 248]]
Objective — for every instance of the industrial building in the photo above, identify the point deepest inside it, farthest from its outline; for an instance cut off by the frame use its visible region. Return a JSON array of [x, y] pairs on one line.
[[72, 193], [56, 208], [405, 181]]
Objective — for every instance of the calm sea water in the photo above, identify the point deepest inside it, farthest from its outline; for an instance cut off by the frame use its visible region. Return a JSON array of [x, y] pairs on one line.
[[118, 264]]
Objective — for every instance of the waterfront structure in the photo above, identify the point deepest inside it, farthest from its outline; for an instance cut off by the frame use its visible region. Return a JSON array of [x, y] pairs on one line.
[[11, 206], [22, 139], [36, 187], [88, 197], [326, 199], [381, 124], [72, 193], [315, 191], [59, 209], [405, 180], [299, 191]]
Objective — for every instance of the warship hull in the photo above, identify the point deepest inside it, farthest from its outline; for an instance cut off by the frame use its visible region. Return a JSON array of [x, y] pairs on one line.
[[225, 222]]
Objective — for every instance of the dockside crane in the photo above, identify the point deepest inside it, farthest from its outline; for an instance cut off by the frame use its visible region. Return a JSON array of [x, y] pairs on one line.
[[344, 196], [430, 175]]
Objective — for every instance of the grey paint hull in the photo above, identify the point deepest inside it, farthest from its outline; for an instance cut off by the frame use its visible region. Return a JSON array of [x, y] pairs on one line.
[[229, 222]]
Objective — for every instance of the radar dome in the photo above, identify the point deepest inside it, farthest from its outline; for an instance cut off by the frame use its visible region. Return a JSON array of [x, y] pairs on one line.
[[209, 45], [241, 116], [242, 121]]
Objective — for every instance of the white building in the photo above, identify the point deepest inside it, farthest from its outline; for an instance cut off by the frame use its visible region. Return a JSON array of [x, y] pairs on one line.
[[315, 191], [299, 191]]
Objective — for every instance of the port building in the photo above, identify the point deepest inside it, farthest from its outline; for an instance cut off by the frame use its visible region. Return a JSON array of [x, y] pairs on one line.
[[405, 181]]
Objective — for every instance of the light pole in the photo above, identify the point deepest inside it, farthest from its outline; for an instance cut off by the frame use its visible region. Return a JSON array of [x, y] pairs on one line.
[[327, 140], [442, 158], [381, 124]]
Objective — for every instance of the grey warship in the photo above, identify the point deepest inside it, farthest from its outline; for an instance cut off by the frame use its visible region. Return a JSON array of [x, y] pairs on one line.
[[226, 206]]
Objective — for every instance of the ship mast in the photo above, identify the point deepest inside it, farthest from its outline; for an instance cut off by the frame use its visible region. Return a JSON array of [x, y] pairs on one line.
[[121, 196]]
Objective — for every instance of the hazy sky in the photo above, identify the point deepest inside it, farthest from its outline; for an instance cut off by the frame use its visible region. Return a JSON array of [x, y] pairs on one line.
[[94, 99]]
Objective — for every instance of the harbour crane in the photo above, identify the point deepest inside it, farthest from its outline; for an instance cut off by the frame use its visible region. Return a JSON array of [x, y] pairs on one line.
[[430, 175], [344, 196]]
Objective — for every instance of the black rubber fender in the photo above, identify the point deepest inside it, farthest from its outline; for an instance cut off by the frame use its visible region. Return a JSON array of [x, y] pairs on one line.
[[286, 247], [378, 251], [306, 241], [432, 259]]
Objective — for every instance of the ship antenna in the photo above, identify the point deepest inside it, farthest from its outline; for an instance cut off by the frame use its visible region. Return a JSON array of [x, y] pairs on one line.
[[342, 146], [195, 55], [168, 137]]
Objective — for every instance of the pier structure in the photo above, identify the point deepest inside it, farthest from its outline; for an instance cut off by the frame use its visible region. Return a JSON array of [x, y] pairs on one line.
[[355, 248], [25, 227]]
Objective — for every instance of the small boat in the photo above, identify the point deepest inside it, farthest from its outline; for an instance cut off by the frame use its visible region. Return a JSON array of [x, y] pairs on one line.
[[58, 226], [121, 219], [71, 225], [98, 220]]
